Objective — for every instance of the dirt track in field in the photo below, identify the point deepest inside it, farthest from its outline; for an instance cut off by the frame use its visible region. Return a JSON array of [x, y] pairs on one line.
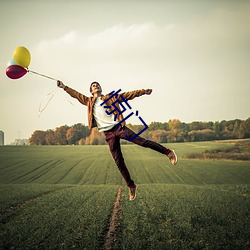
[[112, 231]]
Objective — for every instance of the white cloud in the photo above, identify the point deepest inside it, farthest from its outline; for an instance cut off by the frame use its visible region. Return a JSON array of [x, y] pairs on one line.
[[119, 35], [113, 49], [116, 39], [69, 38]]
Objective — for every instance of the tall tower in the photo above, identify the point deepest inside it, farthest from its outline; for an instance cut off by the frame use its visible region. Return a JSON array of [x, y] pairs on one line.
[[1, 138]]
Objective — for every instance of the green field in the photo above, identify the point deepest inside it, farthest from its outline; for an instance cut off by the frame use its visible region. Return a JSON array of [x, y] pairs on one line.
[[62, 197]]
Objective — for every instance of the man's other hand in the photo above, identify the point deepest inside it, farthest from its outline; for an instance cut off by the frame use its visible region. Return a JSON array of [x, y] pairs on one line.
[[148, 91]]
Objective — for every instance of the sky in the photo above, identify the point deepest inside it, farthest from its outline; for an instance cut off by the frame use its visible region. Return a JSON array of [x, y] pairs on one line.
[[195, 55]]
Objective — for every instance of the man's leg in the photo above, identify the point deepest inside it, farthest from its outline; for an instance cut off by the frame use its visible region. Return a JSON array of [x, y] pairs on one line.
[[124, 131], [115, 149], [143, 142]]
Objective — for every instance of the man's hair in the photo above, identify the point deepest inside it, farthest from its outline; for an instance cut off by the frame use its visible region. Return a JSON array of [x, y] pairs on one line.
[[90, 88]]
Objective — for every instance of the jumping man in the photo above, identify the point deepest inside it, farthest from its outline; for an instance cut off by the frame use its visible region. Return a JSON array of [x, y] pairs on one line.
[[113, 131]]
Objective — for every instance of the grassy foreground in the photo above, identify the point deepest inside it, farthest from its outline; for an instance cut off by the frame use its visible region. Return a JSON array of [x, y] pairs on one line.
[[187, 217], [61, 197], [63, 217]]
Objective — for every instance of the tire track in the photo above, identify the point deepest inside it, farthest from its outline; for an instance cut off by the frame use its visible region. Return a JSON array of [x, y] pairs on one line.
[[112, 229], [7, 213], [199, 180], [48, 169], [176, 175], [45, 167], [67, 172]]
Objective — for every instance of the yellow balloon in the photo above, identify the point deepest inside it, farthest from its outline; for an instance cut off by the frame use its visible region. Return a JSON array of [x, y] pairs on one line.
[[22, 56]]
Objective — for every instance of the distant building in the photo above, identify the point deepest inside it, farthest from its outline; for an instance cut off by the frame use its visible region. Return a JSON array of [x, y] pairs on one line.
[[1, 138]]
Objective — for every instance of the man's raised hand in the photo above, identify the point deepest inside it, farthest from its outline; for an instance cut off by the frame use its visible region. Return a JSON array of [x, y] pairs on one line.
[[60, 84]]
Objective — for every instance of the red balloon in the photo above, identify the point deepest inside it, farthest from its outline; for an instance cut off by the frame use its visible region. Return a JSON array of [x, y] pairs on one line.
[[15, 71]]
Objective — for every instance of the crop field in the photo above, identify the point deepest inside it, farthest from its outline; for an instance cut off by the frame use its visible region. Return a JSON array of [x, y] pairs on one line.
[[73, 197]]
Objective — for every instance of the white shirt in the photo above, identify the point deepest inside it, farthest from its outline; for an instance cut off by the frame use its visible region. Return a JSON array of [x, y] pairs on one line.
[[103, 120]]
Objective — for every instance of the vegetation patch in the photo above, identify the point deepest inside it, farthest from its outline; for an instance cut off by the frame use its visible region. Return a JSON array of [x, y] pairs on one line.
[[239, 151]]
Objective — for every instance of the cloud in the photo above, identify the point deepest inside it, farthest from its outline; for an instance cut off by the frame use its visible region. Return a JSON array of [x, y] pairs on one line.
[[68, 38], [201, 41], [118, 39], [115, 47], [107, 38], [119, 35]]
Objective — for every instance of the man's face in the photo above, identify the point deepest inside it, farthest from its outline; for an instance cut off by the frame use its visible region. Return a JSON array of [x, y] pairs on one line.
[[95, 88]]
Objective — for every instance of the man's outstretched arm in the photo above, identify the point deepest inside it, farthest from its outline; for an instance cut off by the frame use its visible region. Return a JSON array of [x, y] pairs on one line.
[[136, 93], [80, 97]]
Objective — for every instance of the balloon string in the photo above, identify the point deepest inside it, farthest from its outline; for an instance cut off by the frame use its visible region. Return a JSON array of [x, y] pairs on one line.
[[50, 96], [31, 71], [71, 103]]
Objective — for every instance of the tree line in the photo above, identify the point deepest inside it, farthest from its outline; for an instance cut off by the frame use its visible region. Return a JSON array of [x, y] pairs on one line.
[[172, 131]]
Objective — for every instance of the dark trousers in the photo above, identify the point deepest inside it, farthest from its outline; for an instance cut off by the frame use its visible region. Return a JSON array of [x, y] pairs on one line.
[[113, 137]]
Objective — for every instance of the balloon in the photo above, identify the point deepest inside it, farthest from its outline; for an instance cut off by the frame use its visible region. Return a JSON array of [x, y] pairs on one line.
[[11, 62], [22, 56], [15, 71]]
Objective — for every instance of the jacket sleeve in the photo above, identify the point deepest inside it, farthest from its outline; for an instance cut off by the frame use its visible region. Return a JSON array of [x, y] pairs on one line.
[[80, 97], [132, 94]]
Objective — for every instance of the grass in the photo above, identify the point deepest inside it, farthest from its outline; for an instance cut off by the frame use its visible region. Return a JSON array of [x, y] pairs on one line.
[[61, 197], [187, 217], [58, 165], [67, 217]]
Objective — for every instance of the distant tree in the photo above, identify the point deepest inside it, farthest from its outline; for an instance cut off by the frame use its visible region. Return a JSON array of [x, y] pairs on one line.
[[236, 128], [60, 134], [196, 126], [50, 137], [137, 129], [157, 126], [174, 124], [76, 133], [38, 138], [175, 133], [159, 135], [185, 130], [81, 131], [70, 135], [228, 129], [244, 129], [202, 135], [96, 137], [217, 129], [209, 125]]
